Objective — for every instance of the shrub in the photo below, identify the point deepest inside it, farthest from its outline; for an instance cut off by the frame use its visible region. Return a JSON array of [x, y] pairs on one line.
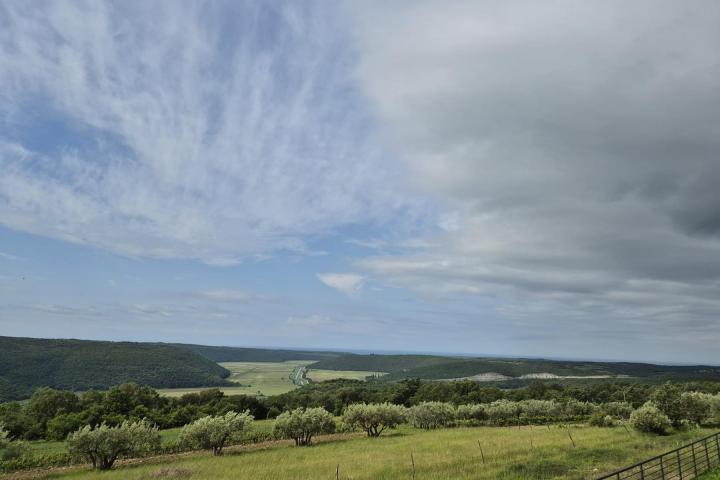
[[575, 410], [600, 419], [650, 419], [617, 409], [302, 424], [667, 398], [471, 413], [4, 436], [60, 426], [429, 415], [213, 433], [103, 445], [374, 418], [502, 412], [542, 410], [15, 450], [696, 407]]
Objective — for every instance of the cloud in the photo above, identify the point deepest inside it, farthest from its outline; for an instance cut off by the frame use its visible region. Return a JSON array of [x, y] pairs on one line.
[[578, 145], [211, 132], [8, 256], [347, 283]]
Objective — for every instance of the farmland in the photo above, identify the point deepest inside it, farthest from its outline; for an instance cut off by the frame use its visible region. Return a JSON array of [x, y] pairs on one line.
[[509, 452], [325, 375], [253, 378]]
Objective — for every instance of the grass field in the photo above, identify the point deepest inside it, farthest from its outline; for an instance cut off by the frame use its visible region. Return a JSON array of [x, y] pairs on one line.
[[255, 378], [324, 375], [510, 453]]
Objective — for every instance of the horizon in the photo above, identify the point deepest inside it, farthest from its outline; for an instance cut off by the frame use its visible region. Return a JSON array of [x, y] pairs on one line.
[[388, 352], [535, 180]]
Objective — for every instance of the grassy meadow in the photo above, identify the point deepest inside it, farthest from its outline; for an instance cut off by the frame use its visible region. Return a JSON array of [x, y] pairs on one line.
[[509, 453]]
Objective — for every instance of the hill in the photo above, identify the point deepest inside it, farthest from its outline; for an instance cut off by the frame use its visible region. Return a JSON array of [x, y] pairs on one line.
[[432, 367], [242, 354], [28, 363]]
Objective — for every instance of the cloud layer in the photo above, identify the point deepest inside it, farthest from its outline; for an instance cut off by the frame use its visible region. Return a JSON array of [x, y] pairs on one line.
[[184, 131], [579, 144]]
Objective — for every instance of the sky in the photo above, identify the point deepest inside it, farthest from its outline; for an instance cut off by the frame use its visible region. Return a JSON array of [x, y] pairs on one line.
[[535, 179]]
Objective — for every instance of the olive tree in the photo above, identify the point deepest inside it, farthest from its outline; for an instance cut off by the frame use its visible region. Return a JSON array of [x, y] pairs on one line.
[[617, 409], [501, 412], [429, 415], [374, 418], [473, 413], [696, 406], [103, 445], [214, 433], [302, 424], [650, 419]]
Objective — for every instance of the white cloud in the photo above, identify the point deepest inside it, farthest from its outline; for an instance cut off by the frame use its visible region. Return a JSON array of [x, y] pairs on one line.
[[8, 256], [214, 132], [347, 283]]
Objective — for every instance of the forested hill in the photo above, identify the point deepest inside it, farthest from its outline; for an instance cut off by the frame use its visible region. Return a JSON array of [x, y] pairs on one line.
[[28, 363], [242, 354], [438, 367]]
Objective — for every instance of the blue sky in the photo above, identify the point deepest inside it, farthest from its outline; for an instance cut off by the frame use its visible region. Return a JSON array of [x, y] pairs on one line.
[[489, 177]]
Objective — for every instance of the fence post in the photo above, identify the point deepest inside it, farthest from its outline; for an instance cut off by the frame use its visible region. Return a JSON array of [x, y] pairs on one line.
[[679, 463], [662, 468], [717, 444], [642, 471], [707, 455], [692, 445]]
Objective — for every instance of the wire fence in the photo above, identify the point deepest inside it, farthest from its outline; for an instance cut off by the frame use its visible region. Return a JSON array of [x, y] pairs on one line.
[[686, 462]]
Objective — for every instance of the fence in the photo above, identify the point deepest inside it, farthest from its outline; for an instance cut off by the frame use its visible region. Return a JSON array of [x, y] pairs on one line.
[[686, 462]]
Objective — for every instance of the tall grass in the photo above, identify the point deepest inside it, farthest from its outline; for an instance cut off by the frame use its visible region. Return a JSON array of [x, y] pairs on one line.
[[510, 453]]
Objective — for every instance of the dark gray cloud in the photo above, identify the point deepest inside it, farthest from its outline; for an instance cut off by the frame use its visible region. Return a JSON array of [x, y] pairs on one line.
[[579, 143]]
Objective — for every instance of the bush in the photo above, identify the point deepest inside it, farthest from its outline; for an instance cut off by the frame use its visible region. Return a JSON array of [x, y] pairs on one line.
[[696, 407], [15, 450], [600, 419], [503, 412], [59, 427], [471, 413], [4, 436], [429, 415], [539, 410], [374, 418], [302, 424], [617, 409], [667, 398], [213, 433], [650, 419], [103, 445]]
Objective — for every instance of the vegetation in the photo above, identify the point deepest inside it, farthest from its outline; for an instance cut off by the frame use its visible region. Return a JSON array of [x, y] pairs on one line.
[[650, 419], [78, 365], [429, 415], [303, 424], [374, 418], [103, 445], [509, 453], [213, 433]]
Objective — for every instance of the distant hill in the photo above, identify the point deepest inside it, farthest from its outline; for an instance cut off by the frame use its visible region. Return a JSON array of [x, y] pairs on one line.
[[28, 363], [242, 354], [433, 367]]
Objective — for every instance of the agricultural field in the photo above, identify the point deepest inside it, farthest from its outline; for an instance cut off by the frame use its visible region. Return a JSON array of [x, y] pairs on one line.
[[508, 452], [325, 375], [253, 378]]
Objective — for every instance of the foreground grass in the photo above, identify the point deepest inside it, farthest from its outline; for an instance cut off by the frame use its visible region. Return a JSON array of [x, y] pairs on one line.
[[510, 453]]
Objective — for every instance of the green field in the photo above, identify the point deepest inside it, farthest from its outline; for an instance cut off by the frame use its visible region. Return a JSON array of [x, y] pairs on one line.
[[324, 375], [254, 378], [510, 453]]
